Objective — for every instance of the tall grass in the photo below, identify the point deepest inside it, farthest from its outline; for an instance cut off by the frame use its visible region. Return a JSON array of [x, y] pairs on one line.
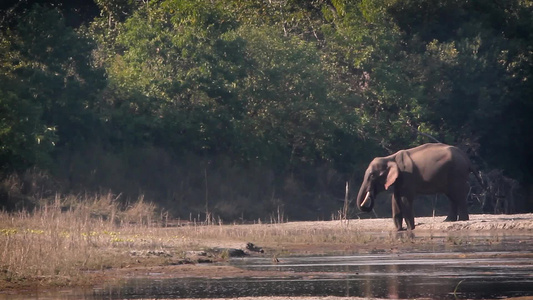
[[64, 237]]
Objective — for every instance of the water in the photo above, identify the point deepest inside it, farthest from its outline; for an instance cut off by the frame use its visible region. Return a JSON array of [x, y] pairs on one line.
[[488, 271], [412, 275], [407, 275]]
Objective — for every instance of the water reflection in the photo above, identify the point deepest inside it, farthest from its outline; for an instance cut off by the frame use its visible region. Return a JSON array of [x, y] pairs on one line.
[[395, 276], [372, 287], [71, 294]]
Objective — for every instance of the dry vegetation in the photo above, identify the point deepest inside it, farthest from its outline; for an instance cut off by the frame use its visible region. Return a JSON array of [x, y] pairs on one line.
[[59, 241], [65, 240]]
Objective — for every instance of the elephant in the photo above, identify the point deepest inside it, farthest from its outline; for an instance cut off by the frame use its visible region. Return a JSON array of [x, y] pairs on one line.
[[427, 169]]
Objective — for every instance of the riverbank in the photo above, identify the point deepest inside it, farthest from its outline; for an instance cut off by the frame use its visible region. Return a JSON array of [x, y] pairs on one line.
[[69, 253]]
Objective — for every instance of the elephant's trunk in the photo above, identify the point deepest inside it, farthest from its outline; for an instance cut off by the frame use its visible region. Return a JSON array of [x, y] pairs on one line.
[[365, 198]]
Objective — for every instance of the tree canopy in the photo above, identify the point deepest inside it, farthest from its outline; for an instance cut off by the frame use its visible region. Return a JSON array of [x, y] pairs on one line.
[[242, 107]]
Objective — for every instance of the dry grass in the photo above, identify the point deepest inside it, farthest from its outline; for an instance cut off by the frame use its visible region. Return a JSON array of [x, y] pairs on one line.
[[65, 238], [61, 240], [281, 234]]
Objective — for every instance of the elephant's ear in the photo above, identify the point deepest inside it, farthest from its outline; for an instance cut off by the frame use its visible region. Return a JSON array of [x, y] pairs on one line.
[[404, 161], [392, 175]]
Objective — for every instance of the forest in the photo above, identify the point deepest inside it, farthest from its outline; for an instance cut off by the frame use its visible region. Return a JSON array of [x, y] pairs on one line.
[[239, 111]]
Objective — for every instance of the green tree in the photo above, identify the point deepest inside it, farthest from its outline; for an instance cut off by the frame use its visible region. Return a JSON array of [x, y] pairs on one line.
[[204, 83], [475, 67], [24, 139], [50, 86], [173, 76]]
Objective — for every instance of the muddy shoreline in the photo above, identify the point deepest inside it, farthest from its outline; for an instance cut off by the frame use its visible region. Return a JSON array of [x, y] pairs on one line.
[[430, 234]]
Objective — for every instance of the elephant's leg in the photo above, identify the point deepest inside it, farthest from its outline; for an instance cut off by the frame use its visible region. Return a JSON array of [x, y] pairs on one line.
[[397, 215], [452, 213], [462, 206], [408, 212], [458, 205], [463, 211]]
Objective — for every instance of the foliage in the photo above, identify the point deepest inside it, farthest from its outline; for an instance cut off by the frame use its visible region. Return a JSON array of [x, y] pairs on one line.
[[297, 96], [48, 88]]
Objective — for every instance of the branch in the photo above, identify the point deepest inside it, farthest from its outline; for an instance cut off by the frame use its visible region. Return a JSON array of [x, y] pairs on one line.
[[422, 133]]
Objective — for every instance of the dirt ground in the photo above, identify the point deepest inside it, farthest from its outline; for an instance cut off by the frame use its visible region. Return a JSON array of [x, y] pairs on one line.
[[476, 223]]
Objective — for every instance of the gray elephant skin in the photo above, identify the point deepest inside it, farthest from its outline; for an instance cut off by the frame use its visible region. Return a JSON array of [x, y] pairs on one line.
[[427, 169]]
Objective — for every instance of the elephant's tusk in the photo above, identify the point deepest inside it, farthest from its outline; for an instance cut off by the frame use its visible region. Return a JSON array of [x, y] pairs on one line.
[[367, 198]]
